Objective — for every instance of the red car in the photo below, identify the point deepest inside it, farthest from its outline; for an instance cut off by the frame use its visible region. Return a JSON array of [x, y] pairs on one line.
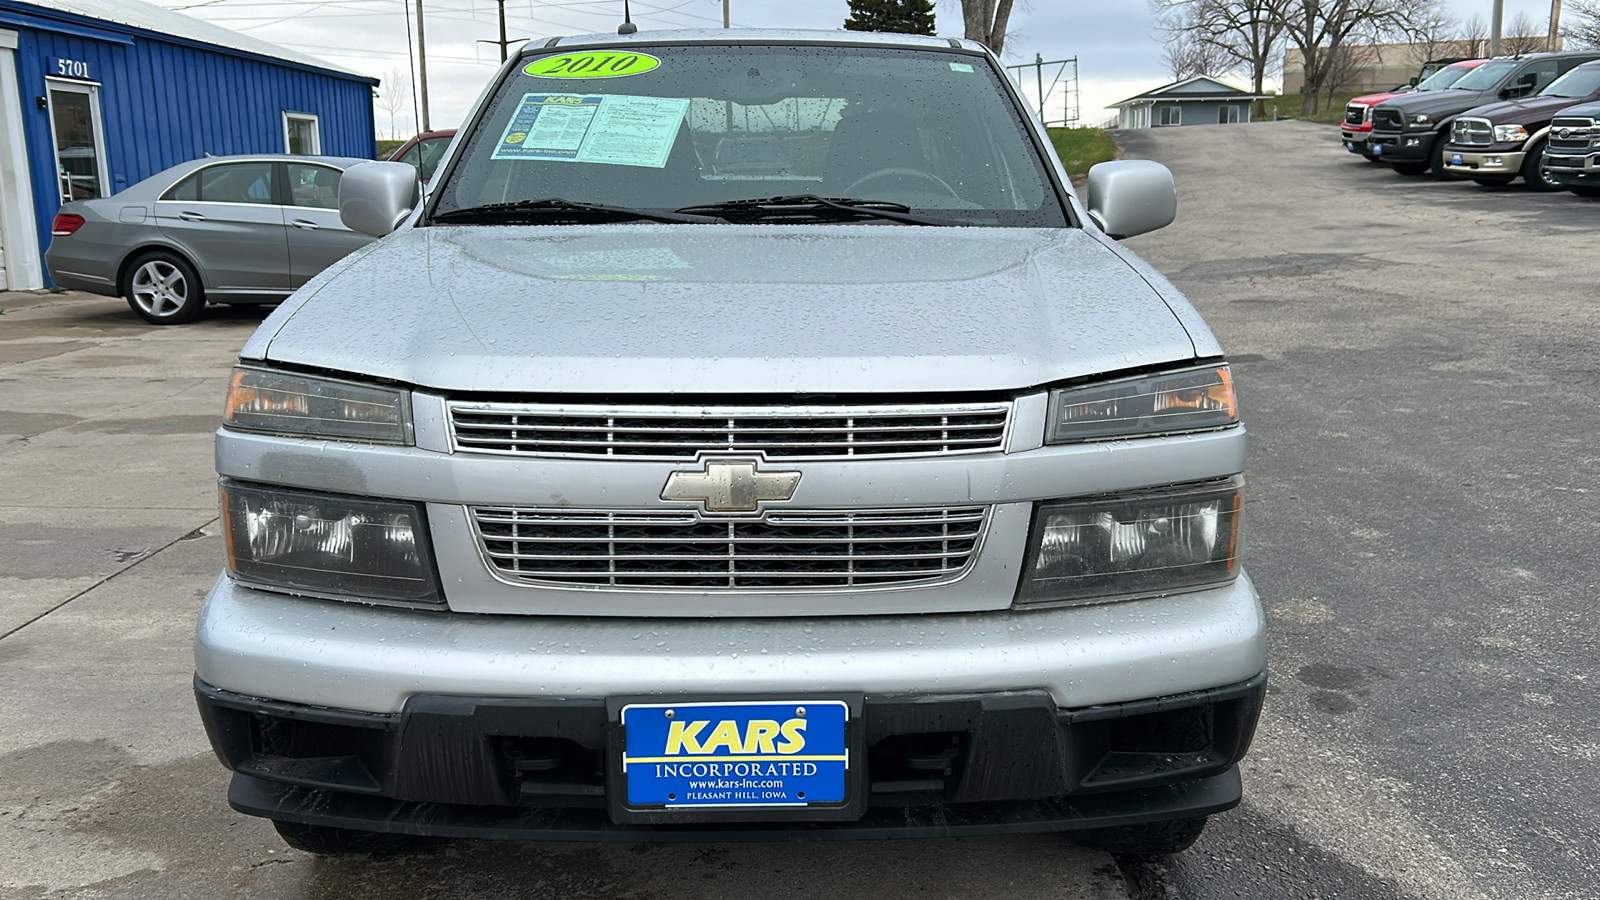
[[424, 151], [1358, 114]]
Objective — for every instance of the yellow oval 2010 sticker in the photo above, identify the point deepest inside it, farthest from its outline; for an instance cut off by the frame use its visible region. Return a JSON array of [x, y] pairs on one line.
[[592, 65]]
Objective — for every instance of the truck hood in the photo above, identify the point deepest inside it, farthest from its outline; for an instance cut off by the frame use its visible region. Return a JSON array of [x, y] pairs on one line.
[[1524, 110], [1438, 104], [652, 309]]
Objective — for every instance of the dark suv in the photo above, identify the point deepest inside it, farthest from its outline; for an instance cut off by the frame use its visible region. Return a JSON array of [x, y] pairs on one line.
[[1410, 131]]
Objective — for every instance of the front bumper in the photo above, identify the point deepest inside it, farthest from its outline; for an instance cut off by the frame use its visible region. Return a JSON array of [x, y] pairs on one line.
[[1484, 162], [1573, 170], [1401, 147], [372, 659], [937, 765]]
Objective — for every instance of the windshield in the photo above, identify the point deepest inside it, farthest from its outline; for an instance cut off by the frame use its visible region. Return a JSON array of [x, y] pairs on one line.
[[1444, 78], [1577, 83], [675, 127], [1487, 75]]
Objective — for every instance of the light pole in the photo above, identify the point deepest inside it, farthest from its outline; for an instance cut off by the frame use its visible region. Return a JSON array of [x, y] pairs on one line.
[[1496, 25], [422, 68], [725, 20], [1555, 25]]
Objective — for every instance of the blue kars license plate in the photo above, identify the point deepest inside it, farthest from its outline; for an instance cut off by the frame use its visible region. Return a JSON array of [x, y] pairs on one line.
[[736, 754], [1456, 160], [1377, 149]]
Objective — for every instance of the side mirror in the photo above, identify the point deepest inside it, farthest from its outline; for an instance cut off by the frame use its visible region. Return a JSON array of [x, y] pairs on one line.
[[375, 197], [1414, 81], [1131, 196]]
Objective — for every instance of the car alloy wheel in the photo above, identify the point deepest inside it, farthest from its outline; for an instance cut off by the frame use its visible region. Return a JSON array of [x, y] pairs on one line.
[[164, 290]]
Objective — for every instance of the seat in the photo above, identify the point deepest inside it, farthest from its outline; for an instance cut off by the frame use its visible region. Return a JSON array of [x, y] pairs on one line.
[[867, 142]]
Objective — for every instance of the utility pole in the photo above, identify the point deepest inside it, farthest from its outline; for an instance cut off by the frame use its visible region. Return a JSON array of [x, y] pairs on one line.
[[1038, 72], [726, 23], [421, 63], [1497, 23], [1555, 25], [504, 41]]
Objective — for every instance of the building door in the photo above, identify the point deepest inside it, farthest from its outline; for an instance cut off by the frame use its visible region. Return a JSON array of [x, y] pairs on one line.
[[80, 140]]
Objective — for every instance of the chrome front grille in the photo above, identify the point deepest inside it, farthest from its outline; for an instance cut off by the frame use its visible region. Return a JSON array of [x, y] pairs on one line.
[[672, 433], [793, 550], [1472, 132], [1572, 135], [1356, 113]]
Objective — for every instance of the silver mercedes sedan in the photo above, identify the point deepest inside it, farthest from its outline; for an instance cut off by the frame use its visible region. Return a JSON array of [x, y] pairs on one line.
[[222, 229]]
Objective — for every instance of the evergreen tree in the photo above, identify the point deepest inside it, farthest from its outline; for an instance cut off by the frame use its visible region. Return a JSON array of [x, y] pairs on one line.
[[901, 16]]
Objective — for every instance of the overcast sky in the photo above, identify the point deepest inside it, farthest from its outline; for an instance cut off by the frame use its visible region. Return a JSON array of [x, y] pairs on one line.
[[1118, 55]]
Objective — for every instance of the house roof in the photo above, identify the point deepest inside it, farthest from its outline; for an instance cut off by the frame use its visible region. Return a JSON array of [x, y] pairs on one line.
[[1199, 87], [169, 23]]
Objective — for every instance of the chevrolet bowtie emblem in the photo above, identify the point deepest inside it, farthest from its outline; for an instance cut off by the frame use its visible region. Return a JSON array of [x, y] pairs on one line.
[[730, 486]]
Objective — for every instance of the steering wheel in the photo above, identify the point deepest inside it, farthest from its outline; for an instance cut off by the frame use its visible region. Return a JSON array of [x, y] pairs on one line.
[[898, 172]]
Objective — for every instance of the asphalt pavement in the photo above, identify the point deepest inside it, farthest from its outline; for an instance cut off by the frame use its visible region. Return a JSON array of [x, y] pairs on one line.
[[1418, 367], [1418, 364]]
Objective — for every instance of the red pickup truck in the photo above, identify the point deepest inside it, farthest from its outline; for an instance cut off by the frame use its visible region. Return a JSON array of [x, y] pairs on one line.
[[1357, 124]]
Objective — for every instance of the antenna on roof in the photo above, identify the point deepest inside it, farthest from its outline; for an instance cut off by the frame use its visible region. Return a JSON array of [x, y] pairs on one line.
[[627, 26]]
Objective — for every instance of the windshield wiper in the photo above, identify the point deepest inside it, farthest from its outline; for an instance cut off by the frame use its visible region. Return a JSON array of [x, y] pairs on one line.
[[772, 207], [516, 208]]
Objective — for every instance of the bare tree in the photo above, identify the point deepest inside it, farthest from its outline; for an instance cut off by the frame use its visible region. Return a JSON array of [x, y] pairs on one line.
[[1433, 31], [1343, 64], [1474, 32], [1522, 36], [1318, 28], [1583, 24], [1244, 30], [393, 96], [1188, 56], [986, 21]]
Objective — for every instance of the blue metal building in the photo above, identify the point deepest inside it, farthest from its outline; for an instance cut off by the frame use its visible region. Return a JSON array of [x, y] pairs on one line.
[[96, 95]]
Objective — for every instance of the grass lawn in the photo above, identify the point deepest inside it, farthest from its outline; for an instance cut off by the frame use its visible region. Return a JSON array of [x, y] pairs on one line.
[[1081, 148], [385, 148], [1288, 105]]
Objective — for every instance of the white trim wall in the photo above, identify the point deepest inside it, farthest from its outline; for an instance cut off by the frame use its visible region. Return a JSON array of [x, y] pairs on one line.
[[19, 240]]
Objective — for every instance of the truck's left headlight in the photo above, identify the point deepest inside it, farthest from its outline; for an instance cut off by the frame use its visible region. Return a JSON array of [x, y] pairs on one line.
[[296, 405], [328, 545], [1171, 402], [1507, 134], [1136, 545]]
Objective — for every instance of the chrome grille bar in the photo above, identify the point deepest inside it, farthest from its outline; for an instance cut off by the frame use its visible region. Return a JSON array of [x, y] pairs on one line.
[[673, 433], [791, 551]]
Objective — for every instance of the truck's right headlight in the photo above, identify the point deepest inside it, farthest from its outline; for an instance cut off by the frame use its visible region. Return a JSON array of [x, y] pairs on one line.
[[1136, 545], [1188, 400], [329, 545], [297, 405]]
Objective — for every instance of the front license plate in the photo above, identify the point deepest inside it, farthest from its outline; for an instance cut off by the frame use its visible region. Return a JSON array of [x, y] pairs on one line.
[[736, 755], [1456, 160], [1377, 149]]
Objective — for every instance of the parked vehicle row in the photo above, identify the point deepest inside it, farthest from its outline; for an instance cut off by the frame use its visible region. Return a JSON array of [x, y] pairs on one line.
[[1527, 117]]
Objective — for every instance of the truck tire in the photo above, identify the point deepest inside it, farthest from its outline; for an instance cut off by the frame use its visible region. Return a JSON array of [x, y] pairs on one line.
[[1147, 839], [1410, 168], [1436, 160], [1533, 173], [325, 841]]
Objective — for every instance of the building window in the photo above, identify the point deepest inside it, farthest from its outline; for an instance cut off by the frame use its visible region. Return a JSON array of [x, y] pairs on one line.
[[1228, 115], [1171, 115], [301, 136]]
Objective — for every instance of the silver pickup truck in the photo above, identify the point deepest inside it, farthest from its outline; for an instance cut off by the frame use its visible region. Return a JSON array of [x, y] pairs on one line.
[[634, 488]]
